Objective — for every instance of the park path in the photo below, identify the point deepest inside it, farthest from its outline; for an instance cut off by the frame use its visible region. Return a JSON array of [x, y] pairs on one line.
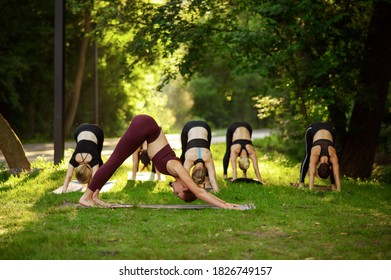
[[47, 149]]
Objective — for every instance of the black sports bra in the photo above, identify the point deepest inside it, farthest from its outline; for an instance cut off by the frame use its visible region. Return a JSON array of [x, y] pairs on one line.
[[242, 143], [198, 143], [89, 147], [324, 147]]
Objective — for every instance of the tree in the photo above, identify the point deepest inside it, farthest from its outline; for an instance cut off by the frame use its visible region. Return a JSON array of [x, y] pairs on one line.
[[11, 147], [72, 101], [368, 112]]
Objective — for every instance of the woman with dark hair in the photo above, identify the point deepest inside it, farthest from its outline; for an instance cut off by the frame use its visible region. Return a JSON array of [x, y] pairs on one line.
[[86, 159], [196, 138], [144, 128], [321, 156], [141, 154], [239, 144]]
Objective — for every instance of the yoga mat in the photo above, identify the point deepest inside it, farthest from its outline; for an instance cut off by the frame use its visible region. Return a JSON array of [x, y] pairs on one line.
[[177, 206], [75, 186], [146, 176], [244, 180], [162, 206]]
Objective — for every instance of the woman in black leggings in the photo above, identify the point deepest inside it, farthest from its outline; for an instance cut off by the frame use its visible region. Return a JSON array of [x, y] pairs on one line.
[[86, 159], [144, 128], [196, 138], [238, 144], [320, 150]]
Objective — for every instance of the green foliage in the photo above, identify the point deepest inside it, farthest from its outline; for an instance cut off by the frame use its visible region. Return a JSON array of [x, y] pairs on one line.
[[309, 52], [208, 102], [26, 70], [221, 99], [26, 56], [180, 102], [287, 223]]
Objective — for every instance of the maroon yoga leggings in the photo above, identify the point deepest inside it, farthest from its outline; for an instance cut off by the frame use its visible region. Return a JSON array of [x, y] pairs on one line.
[[142, 127]]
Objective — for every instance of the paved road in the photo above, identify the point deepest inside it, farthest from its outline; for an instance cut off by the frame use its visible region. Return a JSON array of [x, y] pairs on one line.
[[47, 149]]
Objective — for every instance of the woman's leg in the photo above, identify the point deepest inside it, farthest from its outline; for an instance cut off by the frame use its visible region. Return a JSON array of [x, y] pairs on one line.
[[227, 154], [306, 161], [207, 127], [184, 139]]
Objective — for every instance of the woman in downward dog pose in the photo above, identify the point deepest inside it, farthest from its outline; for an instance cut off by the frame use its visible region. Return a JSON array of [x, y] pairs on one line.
[[86, 159], [239, 145], [196, 138], [320, 150], [141, 128]]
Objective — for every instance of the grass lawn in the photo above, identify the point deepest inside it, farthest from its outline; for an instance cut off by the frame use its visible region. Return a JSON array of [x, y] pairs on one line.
[[287, 224]]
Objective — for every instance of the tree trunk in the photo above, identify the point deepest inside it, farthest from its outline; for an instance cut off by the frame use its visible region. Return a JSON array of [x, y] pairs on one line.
[[339, 120], [11, 147], [74, 97], [368, 112]]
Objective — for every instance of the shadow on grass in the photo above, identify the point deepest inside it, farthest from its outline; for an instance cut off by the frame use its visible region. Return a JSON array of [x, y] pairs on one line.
[[25, 175]]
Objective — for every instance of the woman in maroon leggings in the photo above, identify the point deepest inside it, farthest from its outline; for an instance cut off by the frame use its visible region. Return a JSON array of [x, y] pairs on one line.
[[141, 128]]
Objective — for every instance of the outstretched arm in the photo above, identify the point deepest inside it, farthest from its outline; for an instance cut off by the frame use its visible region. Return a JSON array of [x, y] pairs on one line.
[[234, 167], [312, 171], [68, 177], [335, 164], [254, 159], [212, 174]]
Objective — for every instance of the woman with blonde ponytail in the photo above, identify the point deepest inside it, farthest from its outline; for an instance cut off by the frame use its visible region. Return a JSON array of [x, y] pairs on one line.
[[86, 159], [239, 145], [83, 173]]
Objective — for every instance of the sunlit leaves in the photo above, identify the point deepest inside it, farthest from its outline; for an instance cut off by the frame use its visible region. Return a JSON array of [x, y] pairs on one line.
[[268, 105]]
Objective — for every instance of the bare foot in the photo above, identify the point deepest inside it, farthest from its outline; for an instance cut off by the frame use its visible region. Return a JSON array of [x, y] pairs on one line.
[[100, 203], [298, 185], [86, 202]]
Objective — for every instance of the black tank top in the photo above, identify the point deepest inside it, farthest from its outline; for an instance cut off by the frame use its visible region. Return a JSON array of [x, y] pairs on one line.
[[324, 147]]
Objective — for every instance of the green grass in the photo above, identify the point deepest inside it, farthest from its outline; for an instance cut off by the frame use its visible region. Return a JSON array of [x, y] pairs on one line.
[[287, 223]]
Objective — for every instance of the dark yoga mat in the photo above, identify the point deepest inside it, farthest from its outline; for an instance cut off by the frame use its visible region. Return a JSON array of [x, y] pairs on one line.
[[245, 180]]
